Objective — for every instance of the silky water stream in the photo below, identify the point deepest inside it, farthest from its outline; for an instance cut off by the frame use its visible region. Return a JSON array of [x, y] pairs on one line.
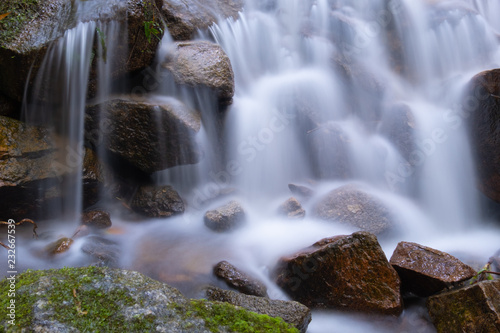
[[319, 84]]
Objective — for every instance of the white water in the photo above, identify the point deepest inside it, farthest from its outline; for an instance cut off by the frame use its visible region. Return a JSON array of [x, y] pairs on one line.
[[286, 59]]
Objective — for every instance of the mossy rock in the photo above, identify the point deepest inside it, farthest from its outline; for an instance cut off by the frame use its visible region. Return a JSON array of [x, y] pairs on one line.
[[92, 299]]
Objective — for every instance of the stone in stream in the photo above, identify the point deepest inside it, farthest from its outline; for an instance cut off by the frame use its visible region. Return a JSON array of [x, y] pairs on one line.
[[96, 218], [301, 191], [292, 312], [225, 218], [292, 209], [474, 308], [59, 246], [104, 251], [239, 280], [425, 271], [157, 201], [348, 273]]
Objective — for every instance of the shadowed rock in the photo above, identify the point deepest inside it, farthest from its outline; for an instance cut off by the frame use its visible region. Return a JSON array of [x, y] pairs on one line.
[[239, 280], [226, 217], [162, 201]]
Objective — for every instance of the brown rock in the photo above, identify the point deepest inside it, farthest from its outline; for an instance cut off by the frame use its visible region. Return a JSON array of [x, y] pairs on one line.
[[162, 201], [96, 218], [475, 308], [292, 312], [60, 246], [350, 205], [226, 217], [239, 280], [344, 273], [201, 63], [425, 271], [292, 209]]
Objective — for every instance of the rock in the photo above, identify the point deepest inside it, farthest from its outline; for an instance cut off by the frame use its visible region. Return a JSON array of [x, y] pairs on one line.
[[328, 148], [9, 107], [100, 298], [482, 103], [398, 125], [152, 137], [495, 260], [60, 246], [162, 201], [225, 218], [301, 191], [292, 209], [343, 273], [292, 312], [475, 308], [105, 251], [184, 18], [96, 218], [93, 178], [350, 205], [201, 64], [425, 271], [239, 280]]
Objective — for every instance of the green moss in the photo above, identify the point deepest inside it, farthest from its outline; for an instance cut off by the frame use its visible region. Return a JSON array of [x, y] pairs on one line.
[[21, 12]]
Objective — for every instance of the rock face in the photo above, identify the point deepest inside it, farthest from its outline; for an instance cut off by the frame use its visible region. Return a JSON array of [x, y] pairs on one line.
[[163, 201], [425, 271], [201, 64], [151, 137], [475, 308], [100, 299], [184, 18], [350, 205], [239, 280], [292, 209], [226, 217], [344, 273], [292, 312], [482, 103]]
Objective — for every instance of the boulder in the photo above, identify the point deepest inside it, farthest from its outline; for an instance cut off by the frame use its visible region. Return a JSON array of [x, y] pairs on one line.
[[225, 218], [425, 271], [153, 201], [184, 18], [343, 273], [292, 209], [239, 280], [150, 136], [475, 308], [482, 104], [101, 299], [201, 64], [96, 218], [350, 205], [292, 312]]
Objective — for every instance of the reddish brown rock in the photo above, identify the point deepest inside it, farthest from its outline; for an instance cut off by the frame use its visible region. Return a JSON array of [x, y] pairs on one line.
[[225, 218], [475, 308], [96, 218], [239, 280], [344, 273], [60, 246], [425, 271], [292, 209]]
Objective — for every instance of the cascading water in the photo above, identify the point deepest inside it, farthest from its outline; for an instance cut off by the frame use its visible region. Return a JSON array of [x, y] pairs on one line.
[[320, 86]]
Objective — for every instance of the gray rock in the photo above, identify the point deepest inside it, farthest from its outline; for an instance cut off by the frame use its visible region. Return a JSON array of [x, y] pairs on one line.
[[292, 312], [162, 201], [301, 191], [239, 280], [398, 125], [292, 209], [226, 217], [105, 251]]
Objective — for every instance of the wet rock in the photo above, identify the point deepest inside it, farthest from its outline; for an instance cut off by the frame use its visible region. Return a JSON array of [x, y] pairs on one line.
[[292, 312], [60, 246], [96, 218], [425, 271], [184, 18], [201, 64], [351, 205], [344, 273], [482, 103], [150, 136], [162, 201], [292, 209], [300, 191], [398, 125], [239, 280], [105, 251], [93, 178], [328, 147], [475, 308], [225, 218], [135, 302]]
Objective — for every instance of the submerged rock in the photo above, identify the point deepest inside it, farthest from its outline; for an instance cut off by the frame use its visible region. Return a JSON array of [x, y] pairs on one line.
[[201, 64], [351, 205], [292, 312], [225, 218], [162, 201], [344, 273], [475, 308], [104, 251], [103, 299], [239, 280], [425, 271], [292, 209]]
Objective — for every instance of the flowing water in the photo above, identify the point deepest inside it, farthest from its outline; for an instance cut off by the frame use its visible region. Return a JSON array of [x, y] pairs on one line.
[[305, 71]]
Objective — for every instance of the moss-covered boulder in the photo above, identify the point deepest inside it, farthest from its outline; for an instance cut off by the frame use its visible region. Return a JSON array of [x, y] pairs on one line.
[[92, 299]]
